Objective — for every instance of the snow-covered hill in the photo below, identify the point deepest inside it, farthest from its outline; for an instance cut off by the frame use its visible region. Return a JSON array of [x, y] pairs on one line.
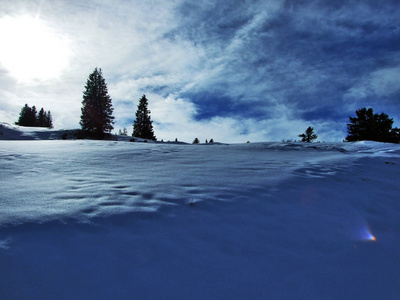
[[15, 132], [113, 220]]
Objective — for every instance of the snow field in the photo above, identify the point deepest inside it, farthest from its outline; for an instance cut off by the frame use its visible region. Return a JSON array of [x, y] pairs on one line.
[[116, 220]]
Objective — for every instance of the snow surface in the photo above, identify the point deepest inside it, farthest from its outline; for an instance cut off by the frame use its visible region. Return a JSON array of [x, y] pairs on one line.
[[117, 220]]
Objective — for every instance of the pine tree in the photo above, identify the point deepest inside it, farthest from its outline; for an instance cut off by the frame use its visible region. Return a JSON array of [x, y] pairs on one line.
[[96, 117], [143, 126], [48, 120], [196, 141], [373, 127], [32, 117], [27, 116], [24, 116], [41, 118], [309, 136]]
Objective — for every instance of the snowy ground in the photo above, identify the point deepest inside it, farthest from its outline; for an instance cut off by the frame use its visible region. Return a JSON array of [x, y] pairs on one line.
[[119, 220]]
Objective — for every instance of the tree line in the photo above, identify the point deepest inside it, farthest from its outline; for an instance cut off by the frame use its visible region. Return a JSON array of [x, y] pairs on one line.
[[97, 120], [366, 126], [29, 117]]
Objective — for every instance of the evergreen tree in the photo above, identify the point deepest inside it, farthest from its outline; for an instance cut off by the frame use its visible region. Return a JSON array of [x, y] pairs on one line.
[[24, 116], [212, 141], [309, 136], [27, 116], [373, 127], [48, 120], [96, 117], [42, 118], [143, 126], [196, 141], [32, 117]]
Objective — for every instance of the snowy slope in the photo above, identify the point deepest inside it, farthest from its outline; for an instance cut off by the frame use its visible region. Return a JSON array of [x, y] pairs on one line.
[[15, 132], [114, 220]]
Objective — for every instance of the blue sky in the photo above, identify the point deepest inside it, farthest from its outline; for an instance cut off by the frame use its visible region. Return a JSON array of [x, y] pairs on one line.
[[229, 70]]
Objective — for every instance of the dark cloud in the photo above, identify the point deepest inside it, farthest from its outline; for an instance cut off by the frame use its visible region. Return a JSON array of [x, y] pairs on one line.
[[306, 54]]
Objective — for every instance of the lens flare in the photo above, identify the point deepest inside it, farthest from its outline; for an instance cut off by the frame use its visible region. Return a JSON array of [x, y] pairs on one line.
[[370, 237], [366, 234]]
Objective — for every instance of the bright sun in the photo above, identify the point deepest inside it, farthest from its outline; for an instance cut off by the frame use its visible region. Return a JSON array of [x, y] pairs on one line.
[[30, 50]]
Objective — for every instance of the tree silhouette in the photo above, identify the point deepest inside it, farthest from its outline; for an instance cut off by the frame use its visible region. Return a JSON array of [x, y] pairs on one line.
[[30, 118], [24, 116], [143, 126], [41, 118], [309, 136], [96, 117], [374, 127], [48, 120]]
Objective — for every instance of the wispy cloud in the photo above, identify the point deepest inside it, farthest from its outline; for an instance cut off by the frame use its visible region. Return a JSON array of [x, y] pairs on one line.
[[234, 71]]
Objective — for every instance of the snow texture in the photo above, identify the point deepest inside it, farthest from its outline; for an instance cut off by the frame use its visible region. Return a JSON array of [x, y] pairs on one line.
[[117, 220]]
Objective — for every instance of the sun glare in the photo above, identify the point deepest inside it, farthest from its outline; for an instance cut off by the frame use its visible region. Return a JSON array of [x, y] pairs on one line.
[[31, 50]]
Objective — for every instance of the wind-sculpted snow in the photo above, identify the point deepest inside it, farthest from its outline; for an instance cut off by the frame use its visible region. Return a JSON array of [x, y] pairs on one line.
[[118, 220], [81, 179]]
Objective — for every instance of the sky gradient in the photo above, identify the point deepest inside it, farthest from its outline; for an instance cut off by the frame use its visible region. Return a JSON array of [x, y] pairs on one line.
[[229, 70]]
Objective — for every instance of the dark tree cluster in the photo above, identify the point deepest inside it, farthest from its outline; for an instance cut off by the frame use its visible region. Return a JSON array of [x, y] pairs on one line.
[[31, 118], [366, 126], [197, 141], [96, 118], [372, 127]]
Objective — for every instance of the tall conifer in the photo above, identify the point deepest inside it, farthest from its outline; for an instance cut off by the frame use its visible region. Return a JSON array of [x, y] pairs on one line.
[[143, 126], [41, 118], [24, 116], [96, 117], [48, 120]]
